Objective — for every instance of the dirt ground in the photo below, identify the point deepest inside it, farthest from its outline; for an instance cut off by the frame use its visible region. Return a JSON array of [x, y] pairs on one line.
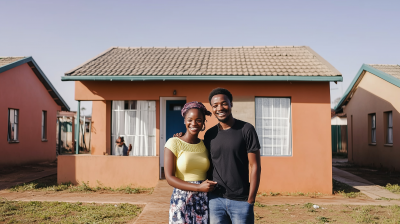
[[377, 176], [305, 213]]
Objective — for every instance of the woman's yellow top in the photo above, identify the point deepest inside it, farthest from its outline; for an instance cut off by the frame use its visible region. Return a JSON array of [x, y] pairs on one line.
[[191, 159]]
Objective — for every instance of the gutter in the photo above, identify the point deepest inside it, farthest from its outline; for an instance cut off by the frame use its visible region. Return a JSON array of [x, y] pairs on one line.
[[204, 78]]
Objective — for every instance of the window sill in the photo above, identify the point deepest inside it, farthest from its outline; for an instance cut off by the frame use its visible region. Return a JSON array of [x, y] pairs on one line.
[[11, 142], [44, 140], [388, 145], [373, 144]]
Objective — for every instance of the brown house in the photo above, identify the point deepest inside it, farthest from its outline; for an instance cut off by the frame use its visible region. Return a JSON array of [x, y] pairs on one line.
[[372, 105], [138, 93]]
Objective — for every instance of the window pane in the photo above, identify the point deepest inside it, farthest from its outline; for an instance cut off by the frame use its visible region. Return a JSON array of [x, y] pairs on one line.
[[15, 132], [390, 120], [373, 121], [12, 116], [273, 125], [390, 136], [373, 136]]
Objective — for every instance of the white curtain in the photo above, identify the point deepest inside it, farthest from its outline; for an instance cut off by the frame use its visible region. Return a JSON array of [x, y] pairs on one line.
[[137, 124], [273, 126]]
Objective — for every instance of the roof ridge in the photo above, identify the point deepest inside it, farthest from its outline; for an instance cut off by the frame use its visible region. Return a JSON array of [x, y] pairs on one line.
[[221, 47]]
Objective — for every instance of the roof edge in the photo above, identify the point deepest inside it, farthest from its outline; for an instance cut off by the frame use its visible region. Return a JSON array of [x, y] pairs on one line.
[[51, 85], [324, 61], [97, 56], [15, 64], [368, 68], [204, 78]]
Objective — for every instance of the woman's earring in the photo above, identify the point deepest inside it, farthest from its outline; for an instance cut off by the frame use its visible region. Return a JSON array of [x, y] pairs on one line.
[[204, 127]]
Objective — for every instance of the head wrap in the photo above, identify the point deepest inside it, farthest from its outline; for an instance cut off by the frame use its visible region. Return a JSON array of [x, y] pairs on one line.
[[197, 105]]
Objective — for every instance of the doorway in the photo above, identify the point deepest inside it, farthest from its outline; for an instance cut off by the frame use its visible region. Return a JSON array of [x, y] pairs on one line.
[[171, 122]]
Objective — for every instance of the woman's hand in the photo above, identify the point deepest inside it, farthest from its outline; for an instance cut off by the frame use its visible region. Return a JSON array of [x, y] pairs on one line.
[[207, 186]]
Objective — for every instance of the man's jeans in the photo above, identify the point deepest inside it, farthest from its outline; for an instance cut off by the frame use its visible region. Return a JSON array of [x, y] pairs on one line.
[[224, 210]]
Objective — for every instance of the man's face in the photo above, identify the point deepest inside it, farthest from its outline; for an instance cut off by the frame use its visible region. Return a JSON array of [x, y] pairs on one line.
[[119, 142], [221, 107]]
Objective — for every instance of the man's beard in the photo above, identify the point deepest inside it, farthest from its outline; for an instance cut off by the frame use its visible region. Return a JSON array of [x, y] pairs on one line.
[[225, 119]]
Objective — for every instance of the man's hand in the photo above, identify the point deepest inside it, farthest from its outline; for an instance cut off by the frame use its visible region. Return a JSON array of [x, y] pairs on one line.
[[251, 200], [180, 134]]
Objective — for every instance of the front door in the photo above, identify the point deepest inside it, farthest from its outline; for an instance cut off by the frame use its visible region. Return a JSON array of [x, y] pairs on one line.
[[174, 122]]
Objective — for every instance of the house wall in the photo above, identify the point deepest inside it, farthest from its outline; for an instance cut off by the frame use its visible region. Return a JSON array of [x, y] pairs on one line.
[[21, 89], [373, 95], [308, 170], [110, 171]]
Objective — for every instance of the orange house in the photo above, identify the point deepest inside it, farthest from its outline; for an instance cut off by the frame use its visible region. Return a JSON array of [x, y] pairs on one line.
[[372, 106], [28, 113], [137, 93]]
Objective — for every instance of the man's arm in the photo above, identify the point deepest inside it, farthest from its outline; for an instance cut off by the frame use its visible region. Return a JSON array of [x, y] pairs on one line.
[[255, 173]]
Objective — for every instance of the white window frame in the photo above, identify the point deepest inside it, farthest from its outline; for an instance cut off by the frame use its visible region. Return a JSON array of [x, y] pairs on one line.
[[289, 130]]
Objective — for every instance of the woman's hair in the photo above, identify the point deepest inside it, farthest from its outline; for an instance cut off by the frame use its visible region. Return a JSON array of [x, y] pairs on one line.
[[220, 91], [195, 105]]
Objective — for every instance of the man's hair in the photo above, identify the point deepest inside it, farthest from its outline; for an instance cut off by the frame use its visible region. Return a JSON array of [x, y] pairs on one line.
[[122, 139], [220, 91]]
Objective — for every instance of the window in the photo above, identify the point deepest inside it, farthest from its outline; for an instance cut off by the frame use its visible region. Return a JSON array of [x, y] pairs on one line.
[[136, 122], [13, 121], [273, 126], [44, 125], [389, 127], [372, 128]]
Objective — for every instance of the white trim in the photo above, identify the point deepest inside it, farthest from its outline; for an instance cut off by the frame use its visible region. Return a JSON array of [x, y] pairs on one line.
[[163, 115]]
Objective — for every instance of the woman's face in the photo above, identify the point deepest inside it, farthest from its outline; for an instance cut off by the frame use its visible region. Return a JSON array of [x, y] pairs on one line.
[[194, 121]]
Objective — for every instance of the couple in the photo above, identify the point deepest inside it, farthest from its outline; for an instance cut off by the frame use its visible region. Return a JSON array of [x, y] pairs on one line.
[[211, 178]]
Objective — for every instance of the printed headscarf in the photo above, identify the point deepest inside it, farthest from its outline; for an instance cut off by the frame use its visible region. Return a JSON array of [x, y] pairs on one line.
[[197, 105]]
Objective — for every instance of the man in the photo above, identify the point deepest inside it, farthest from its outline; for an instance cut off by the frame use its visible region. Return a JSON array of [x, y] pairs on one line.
[[121, 149], [233, 145]]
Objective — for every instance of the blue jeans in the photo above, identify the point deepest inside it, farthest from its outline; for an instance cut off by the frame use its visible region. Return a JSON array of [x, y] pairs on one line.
[[224, 210]]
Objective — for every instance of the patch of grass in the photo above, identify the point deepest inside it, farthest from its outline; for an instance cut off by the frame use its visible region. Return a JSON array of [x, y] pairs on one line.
[[345, 190], [395, 188], [62, 212], [364, 215], [50, 184], [322, 219], [258, 204]]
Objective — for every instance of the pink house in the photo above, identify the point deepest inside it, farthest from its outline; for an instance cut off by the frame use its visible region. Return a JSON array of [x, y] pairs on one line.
[[28, 113]]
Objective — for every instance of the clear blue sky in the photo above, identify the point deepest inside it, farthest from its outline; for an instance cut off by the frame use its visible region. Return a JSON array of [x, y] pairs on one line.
[[61, 35]]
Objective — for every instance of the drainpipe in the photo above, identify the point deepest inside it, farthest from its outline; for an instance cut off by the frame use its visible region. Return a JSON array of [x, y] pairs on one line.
[[78, 117]]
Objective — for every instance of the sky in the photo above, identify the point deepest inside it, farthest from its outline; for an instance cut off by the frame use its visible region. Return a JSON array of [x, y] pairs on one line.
[[60, 35]]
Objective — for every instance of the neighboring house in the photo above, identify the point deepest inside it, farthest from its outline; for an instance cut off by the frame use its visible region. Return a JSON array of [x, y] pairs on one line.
[[372, 105], [138, 93], [28, 113], [339, 133], [66, 131]]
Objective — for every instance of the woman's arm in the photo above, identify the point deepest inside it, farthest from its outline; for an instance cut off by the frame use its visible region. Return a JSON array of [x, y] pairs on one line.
[[169, 171]]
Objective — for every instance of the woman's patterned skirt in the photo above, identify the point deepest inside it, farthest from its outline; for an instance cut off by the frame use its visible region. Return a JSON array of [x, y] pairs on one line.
[[188, 207]]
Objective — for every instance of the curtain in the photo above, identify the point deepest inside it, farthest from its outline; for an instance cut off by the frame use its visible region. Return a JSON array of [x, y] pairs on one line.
[[273, 126], [136, 122]]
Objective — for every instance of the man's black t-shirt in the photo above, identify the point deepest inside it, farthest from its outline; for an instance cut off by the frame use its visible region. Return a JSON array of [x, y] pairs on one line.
[[229, 162]]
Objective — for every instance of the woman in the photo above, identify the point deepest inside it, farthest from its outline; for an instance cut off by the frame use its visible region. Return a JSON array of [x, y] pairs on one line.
[[185, 167]]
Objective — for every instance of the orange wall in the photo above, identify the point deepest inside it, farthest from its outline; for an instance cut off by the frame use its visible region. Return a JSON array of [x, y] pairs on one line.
[[21, 89], [308, 170], [373, 95], [109, 171]]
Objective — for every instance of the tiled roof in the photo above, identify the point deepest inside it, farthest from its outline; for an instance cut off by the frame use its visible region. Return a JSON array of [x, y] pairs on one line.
[[393, 70], [207, 61], [8, 60]]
